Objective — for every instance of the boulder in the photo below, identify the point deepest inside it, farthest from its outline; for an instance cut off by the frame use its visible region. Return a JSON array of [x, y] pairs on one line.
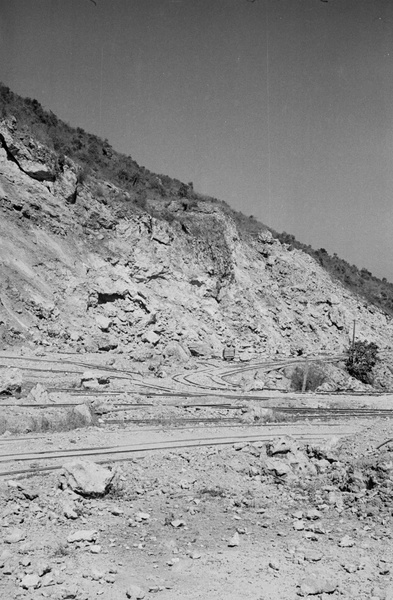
[[38, 395], [333, 299], [284, 460], [314, 585], [277, 467], [162, 233], [151, 337], [10, 382], [109, 288], [82, 414], [100, 407], [37, 170], [266, 237], [68, 508], [103, 322], [31, 580], [106, 343], [282, 445], [93, 379], [300, 463], [199, 349], [86, 478], [176, 351], [134, 592], [14, 536], [336, 318], [83, 535]]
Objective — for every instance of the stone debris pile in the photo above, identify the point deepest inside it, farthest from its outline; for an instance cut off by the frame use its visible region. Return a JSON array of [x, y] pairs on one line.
[[320, 527]]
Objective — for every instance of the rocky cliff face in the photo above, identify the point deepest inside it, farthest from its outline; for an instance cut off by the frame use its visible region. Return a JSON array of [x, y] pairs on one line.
[[83, 268]]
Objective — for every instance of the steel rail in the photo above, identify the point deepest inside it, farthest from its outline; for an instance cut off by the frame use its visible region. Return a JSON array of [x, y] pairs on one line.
[[172, 421], [301, 410], [62, 361], [195, 420], [68, 372], [185, 381], [164, 428], [79, 452], [130, 450], [199, 424], [22, 455], [277, 408], [129, 374], [130, 455], [226, 394], [270, 365]]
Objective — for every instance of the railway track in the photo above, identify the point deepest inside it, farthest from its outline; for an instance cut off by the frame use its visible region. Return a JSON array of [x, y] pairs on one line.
[[220, 375], [49, 460], [280, 414], [192, 431], [215, 421], [294, 411], [215, 373]]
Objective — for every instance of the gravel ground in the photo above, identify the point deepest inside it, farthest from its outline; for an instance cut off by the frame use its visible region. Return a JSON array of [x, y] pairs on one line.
[[248, 521], [210, 523]]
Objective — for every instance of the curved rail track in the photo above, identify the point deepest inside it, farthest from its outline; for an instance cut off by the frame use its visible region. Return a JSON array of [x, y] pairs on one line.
[[215, 373], [332, 421]]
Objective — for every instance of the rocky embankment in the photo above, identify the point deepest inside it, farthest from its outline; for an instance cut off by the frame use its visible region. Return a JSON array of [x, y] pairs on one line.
[[84, 269]]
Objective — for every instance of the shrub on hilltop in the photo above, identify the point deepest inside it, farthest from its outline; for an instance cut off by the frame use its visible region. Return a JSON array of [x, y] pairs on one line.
[[358, 281]]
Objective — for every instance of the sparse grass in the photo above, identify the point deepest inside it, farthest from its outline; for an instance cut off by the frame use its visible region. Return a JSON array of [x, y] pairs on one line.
[[60, 550], [258, 414], [117, 491], [214, 492], [57, 419], [315, 376]]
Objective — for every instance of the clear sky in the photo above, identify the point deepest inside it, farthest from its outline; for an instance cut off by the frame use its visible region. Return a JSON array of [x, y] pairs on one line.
[[283, 108]]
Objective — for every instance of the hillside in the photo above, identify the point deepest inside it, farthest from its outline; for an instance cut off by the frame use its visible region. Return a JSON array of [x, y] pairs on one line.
[[95, 156], [100, 254]]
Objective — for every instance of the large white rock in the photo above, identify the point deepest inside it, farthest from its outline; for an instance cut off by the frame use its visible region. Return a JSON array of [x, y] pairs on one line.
[[30, 580], [94, 379], [134, 592], [83, 535], [103, 322], [176, 351], [87, 478], [151, 337], [38, 395]]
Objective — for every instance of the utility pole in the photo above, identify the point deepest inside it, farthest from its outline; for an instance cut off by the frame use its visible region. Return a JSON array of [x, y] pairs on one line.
[[353, 341], [305, 375]]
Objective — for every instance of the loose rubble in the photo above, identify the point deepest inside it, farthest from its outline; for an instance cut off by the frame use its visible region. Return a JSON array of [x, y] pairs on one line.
[[215, 522]]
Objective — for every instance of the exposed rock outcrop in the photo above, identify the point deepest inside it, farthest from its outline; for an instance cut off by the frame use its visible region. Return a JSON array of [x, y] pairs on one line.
[[92, 276]]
